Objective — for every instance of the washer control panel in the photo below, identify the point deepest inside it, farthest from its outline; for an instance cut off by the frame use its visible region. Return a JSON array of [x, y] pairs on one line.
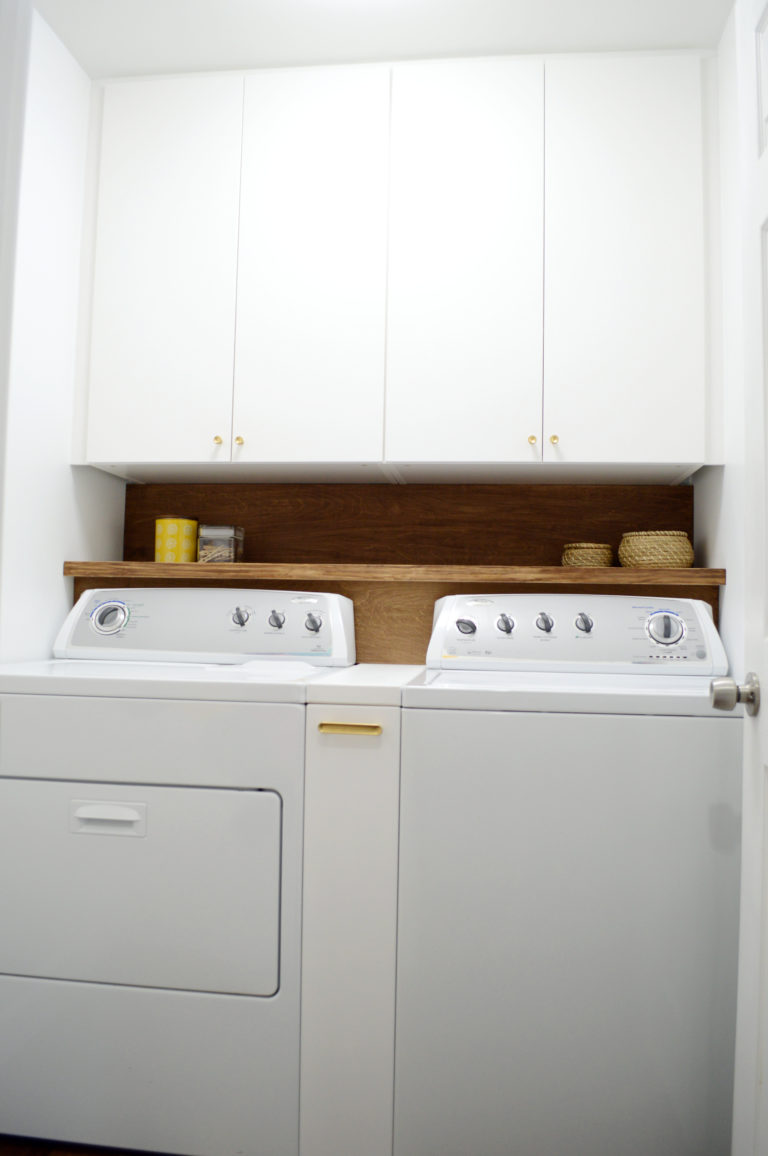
[[209, 625], [575, 632]]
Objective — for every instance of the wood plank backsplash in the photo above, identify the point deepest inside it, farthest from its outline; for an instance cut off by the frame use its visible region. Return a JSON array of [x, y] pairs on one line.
[[513, 525]]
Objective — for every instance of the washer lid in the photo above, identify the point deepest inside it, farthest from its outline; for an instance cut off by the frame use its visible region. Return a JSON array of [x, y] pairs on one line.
[[562, 692]]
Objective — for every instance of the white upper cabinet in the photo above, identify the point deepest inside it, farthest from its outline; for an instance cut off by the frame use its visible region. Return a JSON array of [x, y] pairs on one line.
[[452, 264], [624, 314], [464, 327], [311, 304], [165, 271]]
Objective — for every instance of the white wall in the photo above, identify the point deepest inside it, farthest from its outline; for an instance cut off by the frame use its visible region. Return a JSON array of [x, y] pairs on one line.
[[720, 524], [15, 29], [51, 511]]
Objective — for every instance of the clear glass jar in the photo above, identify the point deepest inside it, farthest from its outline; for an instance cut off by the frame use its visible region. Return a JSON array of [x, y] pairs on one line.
[[220, 543]]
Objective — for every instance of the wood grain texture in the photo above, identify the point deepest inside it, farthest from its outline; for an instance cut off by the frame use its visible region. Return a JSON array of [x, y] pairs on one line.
[[254, 573], [497, 525]]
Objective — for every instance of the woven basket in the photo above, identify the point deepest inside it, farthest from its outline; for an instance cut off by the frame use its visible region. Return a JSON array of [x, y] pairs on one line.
[[656, 548], [587, 554]]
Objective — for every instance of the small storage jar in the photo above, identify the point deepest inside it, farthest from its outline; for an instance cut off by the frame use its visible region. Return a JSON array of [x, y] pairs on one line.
[[220, 544]]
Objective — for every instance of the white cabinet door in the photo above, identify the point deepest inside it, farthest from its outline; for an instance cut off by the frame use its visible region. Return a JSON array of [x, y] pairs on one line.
[[165, 271], [465, 268], [624, 313], [309, 365], [349, 932]]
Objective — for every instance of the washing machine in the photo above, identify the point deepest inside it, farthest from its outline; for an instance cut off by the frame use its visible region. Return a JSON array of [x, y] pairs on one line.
[[151, 811], [568, 882]]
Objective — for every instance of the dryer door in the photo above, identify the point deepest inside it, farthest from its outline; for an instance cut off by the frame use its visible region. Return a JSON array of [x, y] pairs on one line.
[[165, 887]]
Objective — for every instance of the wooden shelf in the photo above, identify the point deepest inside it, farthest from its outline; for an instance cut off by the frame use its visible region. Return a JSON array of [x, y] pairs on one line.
[[232, 574], [394, 603]]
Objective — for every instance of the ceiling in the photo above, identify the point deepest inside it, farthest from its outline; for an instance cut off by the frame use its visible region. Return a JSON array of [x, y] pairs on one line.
[[134, 37]]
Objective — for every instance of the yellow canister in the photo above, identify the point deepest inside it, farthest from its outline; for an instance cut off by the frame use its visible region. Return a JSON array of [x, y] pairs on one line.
[[175, 539]]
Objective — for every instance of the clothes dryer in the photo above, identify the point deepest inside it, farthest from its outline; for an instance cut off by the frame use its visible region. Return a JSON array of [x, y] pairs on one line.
[[151, 831]]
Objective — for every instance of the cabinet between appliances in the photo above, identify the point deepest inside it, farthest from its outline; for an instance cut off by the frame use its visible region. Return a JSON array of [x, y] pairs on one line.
[[239, 308], [525, 284]]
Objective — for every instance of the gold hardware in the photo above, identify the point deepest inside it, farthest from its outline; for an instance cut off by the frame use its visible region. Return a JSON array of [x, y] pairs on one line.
[[239, 441], [532, 440], [341, 728], [217, 441], [555, 440]]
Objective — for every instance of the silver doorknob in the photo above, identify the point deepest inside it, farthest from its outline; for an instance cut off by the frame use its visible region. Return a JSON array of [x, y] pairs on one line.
[[725, 693]]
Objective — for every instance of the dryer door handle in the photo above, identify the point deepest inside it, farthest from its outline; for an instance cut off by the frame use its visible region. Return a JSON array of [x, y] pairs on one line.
[[107, 813], [102, 817]]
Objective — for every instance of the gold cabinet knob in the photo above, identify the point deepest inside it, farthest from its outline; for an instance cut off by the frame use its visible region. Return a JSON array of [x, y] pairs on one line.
[[217, 441], [239, 441], [532, 440], [555, 440]]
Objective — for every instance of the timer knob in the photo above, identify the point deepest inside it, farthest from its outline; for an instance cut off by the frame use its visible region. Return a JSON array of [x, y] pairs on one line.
[[313, 622], [109, 617], [665, 627], [506, 624], [276, 619], [584, 622], [466, 625], [545, 622], [240, 616]]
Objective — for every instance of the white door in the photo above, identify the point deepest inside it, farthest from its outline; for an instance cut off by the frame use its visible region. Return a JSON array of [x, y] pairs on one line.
[[464, 314], [163, 324], [751, 1090], [624, 307], [309, 361]]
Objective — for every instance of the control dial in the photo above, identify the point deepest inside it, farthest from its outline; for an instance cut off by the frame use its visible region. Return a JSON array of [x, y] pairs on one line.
[[466, 625], [545, 622], [109, 617], [584, 622], [276, 619], [240, 616], [506, 624], [665, 627], [313, 623]]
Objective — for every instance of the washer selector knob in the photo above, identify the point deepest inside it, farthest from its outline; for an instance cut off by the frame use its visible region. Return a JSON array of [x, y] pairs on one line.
[[665, 627], [545, 622], [109, 617], [276, 619], [584, 622], [313, 623], [466, 626], [505, 623], [240, 616]]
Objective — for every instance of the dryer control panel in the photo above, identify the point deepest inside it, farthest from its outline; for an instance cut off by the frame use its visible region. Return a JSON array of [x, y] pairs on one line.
[[209, 625], [549, 632]]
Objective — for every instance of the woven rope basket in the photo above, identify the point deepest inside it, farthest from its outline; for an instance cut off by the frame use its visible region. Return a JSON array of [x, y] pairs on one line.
[[587, 554], [656, 548]]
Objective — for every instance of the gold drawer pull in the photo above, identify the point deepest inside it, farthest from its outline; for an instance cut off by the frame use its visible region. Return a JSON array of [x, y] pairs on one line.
[[332, 728]]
